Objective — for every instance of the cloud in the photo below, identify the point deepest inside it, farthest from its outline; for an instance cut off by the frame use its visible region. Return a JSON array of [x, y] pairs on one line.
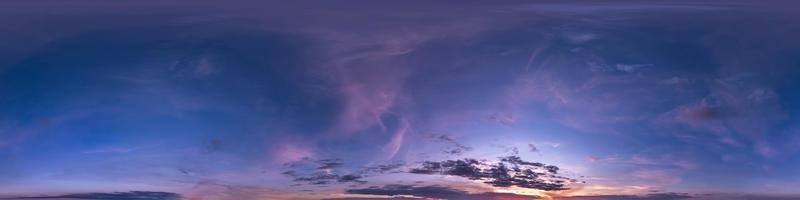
[[454, 148], [745, 197], [678, 196], [132, 195], [291, 152], [217, 191], [532, 148], [322, 178], [320, 172], [509, 171], [653, 196], [631, 67], [374, 65], [112, 149], [661, 161], [382, 169], [701, 112], [433, 191], [391, 148], [332, 171], [507, 120], [675, 80], [197, 65], [329, 164]]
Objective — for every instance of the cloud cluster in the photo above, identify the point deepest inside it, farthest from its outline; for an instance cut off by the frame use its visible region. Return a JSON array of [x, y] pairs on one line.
[[454, 147], [330, 171], [509, 171], [506, 172], [434, 191], [324, 172]]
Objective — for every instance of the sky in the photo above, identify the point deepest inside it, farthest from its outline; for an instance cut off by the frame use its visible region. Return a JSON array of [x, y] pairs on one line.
[[359, 99]]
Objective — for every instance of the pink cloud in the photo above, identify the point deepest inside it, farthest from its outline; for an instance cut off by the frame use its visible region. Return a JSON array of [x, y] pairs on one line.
[[290, 152], [364, 107], [765, 150], [391, 149]]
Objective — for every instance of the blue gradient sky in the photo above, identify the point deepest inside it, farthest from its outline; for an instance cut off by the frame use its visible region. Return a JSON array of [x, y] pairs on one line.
[[222, 100]]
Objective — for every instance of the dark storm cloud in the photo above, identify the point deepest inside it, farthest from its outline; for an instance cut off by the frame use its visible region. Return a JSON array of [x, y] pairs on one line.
[[509, 171], [434, 191], [132, 195]]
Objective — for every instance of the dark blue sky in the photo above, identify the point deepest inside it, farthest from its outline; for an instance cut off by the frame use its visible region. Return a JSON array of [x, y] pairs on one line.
[[446, 99]]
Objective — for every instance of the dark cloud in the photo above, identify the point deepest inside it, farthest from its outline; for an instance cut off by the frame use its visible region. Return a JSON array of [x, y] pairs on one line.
[[329, 163], [434, 191], [533, 148], [384, 168], [322, 178], [509, 171], [510, 150], [454, 148], [330, 171], [320, 172], [132, 195]]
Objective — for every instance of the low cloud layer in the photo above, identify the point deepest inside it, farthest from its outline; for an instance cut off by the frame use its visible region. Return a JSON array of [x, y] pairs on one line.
[[132, 195], [435, 191]]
